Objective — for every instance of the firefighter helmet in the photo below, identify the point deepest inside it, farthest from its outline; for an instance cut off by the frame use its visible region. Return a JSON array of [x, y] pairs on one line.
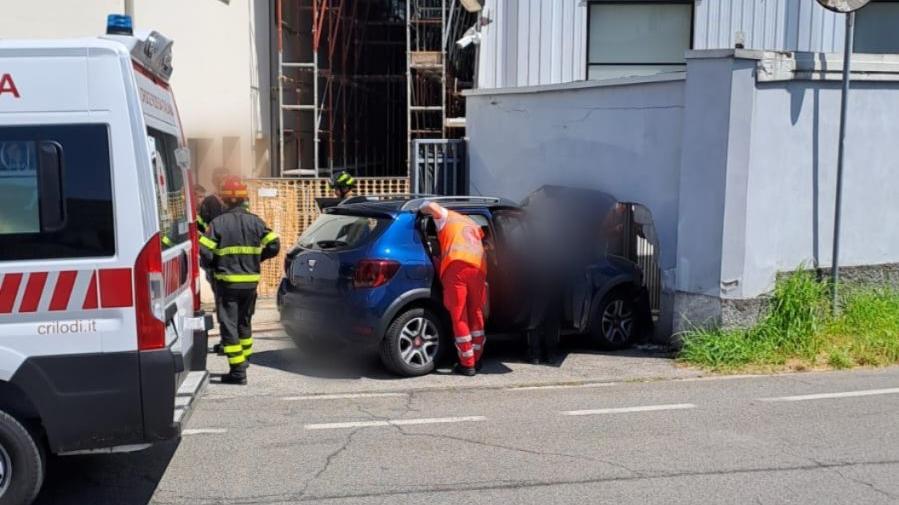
[[343, 180], [234, 191]]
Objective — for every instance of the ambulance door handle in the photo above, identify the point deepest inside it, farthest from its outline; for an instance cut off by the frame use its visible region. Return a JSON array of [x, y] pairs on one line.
[[170, 312], [185, 262]]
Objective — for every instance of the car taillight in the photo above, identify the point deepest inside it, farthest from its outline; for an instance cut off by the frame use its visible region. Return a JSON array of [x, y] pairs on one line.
[[150, 296], [195, 264], [374, 273]]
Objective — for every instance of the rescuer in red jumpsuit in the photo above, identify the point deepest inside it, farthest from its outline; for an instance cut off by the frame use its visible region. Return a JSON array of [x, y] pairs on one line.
[[463, 274]]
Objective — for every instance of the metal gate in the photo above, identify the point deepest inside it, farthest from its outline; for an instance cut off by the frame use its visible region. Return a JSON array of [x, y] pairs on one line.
[[439, 167], [641, 245]]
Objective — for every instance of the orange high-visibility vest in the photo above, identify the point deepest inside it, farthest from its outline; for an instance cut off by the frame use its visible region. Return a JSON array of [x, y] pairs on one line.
[[460, 240]]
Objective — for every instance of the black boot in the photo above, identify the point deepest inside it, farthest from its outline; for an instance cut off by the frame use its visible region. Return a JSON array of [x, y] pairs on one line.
[[464, 370], [217, 349], [234, 379]]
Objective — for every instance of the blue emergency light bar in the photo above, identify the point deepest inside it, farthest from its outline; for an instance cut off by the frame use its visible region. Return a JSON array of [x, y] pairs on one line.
[[119, 24]]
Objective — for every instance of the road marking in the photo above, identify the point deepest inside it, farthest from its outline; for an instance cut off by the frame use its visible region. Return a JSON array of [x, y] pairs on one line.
[[563, 386], [204, 431], [626, 410], [394, 422], [827, 396], [348, 396]]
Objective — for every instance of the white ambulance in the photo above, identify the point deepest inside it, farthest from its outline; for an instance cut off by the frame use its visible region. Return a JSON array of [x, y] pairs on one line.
[[102, 341]]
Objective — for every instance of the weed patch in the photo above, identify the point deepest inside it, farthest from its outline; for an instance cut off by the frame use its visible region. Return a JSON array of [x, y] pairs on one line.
[[798, 330]]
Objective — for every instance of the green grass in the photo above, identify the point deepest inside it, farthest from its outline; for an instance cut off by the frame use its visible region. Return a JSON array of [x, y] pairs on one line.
[[798, 331]]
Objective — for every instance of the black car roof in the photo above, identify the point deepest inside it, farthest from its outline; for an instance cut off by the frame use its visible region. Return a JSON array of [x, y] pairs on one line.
[[396, 204]]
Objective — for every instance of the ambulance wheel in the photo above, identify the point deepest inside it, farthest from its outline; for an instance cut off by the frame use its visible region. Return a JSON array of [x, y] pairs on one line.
[[411, 345], [21, 463]]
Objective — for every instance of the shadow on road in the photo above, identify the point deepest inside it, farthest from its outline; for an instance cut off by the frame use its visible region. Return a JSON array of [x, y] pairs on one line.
[[113, 479], [348, 364]]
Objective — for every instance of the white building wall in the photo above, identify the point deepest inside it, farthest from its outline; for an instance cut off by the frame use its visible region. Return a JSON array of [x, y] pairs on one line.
[[221, 76], [535, 42]]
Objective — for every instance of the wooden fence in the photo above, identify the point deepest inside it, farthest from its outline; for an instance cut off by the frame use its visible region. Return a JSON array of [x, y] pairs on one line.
[[288, 207]]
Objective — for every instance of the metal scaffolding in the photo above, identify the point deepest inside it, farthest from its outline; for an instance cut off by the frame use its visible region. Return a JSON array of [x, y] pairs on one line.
[[358, 80]]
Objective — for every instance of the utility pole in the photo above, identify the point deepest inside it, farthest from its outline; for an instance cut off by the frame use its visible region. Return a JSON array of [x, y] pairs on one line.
[[847, 7], [129, 8], [841, 160]]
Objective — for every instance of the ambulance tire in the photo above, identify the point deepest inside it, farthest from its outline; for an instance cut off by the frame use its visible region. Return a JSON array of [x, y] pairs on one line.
[[22, 455], [395, 341]]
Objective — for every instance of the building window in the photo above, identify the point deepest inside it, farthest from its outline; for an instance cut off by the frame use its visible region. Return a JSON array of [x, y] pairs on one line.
[[876, 28], [638, 37]]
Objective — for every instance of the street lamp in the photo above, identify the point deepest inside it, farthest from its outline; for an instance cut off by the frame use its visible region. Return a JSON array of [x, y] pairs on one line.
[[847, 7]]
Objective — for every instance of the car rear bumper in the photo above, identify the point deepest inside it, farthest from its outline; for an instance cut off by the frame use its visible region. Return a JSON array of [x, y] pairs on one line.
[[330, 321]]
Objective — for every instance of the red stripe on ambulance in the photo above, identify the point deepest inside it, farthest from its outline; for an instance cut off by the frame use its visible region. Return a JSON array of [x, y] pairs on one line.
[[115, 288], [63, 290], [69, 290], [173, 274], [9, 288], [34, 289], [91, 298]]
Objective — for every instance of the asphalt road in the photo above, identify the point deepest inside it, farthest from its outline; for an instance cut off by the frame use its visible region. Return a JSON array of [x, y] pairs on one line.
[[731, 440]]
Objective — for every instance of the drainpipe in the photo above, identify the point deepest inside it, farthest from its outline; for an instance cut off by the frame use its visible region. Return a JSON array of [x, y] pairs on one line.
[[129, 8]]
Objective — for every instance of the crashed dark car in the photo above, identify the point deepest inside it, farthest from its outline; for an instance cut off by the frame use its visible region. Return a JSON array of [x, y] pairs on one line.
[[363, 276]]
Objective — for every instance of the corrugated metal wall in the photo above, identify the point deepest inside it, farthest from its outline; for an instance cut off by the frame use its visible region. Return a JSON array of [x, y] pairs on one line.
[[786, 25], [531, 42]]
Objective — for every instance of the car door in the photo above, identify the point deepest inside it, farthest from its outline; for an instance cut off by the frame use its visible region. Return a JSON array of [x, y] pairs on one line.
[[510, 271], [174, 225]]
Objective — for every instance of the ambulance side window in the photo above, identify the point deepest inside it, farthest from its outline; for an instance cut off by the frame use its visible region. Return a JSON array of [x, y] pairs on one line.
[[171, 190], [55, 192]]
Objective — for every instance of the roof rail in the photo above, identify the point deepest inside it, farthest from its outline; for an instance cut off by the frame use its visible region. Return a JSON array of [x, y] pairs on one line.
[[415, 203], [383, 198]]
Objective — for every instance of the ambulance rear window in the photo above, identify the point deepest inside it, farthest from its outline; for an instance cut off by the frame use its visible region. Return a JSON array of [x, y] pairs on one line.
[[171, 190], [55, 192]]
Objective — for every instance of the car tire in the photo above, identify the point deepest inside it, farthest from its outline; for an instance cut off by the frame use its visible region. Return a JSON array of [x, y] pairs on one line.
[[21, 463], [412, 343], [614, 323]]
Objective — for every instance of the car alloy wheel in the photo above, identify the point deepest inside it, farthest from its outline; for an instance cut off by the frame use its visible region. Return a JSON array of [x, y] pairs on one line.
[[418, 342], [5, 470], [617, 322]]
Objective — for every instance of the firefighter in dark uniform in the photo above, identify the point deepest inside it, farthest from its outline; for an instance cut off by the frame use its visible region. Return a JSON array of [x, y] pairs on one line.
[[233, 248], [212, 205], [343, 184]]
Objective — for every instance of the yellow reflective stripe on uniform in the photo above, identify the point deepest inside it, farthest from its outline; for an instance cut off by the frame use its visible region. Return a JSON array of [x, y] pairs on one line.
[[238, 277], [237, 249], [269, 238], [208, 243], [166, 241], [236, 360], [232, 349], [200, 220], [247, 344]]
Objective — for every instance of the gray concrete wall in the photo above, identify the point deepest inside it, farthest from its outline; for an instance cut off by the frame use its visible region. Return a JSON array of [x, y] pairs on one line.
[[758, 176], [621, 136], [792, 179]]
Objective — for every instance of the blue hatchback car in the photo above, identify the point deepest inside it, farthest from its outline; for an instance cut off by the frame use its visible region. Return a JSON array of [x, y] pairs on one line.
[[363, 276]]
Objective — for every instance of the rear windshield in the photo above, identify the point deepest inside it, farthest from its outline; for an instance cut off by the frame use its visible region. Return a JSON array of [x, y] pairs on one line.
[[340, 231], [171, 190]]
